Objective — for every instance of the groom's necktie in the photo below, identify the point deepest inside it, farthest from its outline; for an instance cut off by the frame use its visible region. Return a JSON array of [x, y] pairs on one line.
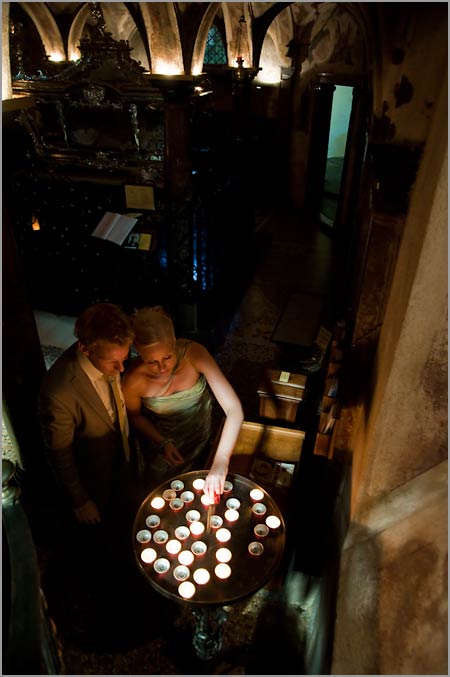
[[120, 416]]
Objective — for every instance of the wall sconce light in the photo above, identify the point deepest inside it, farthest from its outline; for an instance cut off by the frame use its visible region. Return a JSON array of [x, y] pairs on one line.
[[35, 225]]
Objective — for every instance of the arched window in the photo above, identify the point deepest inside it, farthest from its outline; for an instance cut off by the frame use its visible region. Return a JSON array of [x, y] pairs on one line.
[[215, 50]]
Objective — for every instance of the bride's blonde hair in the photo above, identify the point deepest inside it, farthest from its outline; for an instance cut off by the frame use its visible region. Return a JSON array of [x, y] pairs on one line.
[[153, 325]]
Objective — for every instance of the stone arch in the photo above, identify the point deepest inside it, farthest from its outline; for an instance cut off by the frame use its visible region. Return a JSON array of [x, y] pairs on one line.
[[202, 35], [75, 33], [47, 29], [163, 37]]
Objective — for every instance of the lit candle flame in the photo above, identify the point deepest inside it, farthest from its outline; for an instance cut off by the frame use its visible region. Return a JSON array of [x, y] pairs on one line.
[[158, 502], [222, 570], [198, 484], [148, 555], [186, 589], [223, 555], [173, 546], [231, 515], [223, 535], [273, 522], [201, 576], [197, 528], [256, 495], [186, 557]]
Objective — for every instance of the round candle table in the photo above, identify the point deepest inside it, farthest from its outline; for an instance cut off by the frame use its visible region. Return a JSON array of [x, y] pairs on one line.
[[208, 556]]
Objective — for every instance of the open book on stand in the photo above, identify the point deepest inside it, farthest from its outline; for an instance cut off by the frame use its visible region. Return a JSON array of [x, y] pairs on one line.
[[115, 227]]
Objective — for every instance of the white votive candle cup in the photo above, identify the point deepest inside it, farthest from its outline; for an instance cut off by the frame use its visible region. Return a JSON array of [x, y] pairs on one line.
[[182, 533], [201, 576], [197, 528], [273, 522], [222, 570], [148, 555], [181, 572], [192, 515], [206, 500], [198, 484], [186, 589], [162, 565], [256, 548], [259, 509], [168, 494], [233, 503], [223, 555], [199, 548], [231, 515], [143, 536], [173, 546], [158, 502], [223, 535], [227, 487], [186, 557], [256, 495], [153, 521], [177, 485]]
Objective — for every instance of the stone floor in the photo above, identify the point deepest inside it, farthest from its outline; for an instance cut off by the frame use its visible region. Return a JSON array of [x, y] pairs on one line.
[[124, 627]]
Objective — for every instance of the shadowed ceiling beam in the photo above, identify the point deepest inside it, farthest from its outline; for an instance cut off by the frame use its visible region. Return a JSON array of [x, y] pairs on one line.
[[163, 37], [47, 29]]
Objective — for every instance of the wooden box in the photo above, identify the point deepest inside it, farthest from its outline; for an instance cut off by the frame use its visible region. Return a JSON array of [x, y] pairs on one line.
[[280, 394], [276, 444]]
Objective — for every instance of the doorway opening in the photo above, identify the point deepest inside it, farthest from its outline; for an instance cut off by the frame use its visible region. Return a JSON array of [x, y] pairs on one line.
[[337, 143]]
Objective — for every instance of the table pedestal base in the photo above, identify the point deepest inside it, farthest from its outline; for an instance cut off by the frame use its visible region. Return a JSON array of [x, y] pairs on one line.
[[208, 631]]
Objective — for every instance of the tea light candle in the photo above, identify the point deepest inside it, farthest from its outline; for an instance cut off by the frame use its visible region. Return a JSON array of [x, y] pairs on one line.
[[192, 515], [173, 546], [259, 509], [158, 502], [186, 589], [143, 536], [160, 536], [176, 504], [256, 548], [197, 528], [198, 484], [222, 570], [162, 565], [182, 533], [273, 522], [187, 496], [201, 576], [261, 530], [233, 503], [153, 521], [186, 557], [223, 555], [177, 485], [206, 500], [181, 573], [227, 487], [199, 548], [148, 555], [223, 535], [256, 495], [231, 515], [168, 494], [216, 521]]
